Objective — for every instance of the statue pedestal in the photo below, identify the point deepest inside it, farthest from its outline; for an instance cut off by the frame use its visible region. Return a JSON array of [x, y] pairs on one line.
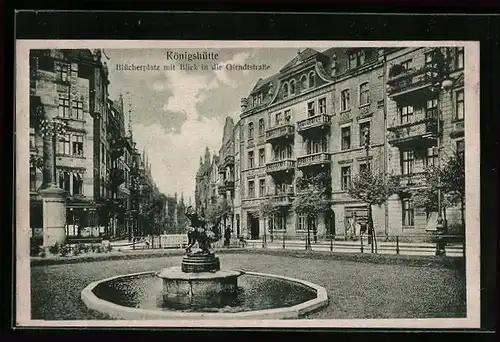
[[195, 263], [54, 215]]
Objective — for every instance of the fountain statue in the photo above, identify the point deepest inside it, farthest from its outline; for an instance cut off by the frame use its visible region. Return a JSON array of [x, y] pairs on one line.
[[199, 276]]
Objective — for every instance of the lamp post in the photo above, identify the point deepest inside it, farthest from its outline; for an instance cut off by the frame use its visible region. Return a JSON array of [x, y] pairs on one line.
[[443, 83], [54, 201]]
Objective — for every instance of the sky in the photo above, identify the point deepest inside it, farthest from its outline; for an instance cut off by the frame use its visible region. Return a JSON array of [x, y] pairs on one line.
[[177, 114]]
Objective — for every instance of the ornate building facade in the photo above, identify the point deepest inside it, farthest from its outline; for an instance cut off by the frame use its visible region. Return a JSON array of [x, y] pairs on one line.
[[313, 117]]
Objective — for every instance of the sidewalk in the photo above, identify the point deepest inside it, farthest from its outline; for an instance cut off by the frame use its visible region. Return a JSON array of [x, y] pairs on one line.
[[383, 247]]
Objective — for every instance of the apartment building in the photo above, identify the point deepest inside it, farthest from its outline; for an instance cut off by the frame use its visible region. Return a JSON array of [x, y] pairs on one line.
[[69, 86], [425, 123]]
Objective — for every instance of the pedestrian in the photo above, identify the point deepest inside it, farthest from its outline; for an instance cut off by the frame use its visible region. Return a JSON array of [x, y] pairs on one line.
[[227, 237]]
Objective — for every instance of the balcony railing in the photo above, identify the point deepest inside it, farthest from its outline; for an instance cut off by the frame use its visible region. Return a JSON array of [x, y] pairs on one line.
[[227, 185], [422, 129], [321, 158], [280, 132], [413, 179], [283, 199], [411, 80], [228, 160], [322, 120], [284, 165]]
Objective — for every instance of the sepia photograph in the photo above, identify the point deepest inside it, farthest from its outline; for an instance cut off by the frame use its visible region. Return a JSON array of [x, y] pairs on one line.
[[247, 183]]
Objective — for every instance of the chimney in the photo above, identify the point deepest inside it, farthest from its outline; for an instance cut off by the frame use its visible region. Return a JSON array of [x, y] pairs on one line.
[[244, 104]]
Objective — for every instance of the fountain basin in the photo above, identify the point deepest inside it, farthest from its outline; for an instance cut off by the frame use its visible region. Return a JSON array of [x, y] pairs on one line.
[[141, 296]]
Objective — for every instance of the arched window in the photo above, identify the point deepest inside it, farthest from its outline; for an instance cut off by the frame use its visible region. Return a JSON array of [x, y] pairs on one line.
[[250, 130], [292, 87], [285, 90], [303, 82], [311, 79], [261, 127]]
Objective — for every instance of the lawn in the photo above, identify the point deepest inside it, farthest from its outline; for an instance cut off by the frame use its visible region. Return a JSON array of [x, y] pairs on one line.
[[355, 289]]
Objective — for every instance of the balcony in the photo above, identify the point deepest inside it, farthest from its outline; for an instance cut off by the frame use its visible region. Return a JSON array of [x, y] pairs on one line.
[[317, 159], [117, 177], [283, 199], [457, 129], [227, 185], [285, 165], [413, 179], [282, 132], [425, 130], [312, 123], [410, 81], [228, 160]]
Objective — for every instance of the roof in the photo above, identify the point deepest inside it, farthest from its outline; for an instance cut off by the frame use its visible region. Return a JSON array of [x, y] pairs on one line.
[[301, 56], [264, 81]]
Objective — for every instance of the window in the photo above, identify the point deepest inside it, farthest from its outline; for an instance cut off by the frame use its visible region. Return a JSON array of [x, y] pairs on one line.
[[461, 147], [64, 180], [77, 184], [301, 222], [361, 58], [261, 127], [459, 105], [407, 161], [251, 189], [262, 187], [78, 145], [303, 82], [62, 72], [345, 98], [262, 157], [364, 127], [431, 157], [292, 87], [32, 178], [431, 109], [311, 110], [364, 94], [363, 167], [250, 159], [322, 105], [250, 131], [406, 64], [346, 177], [278, 119], [285, 90], [63, 108], [103, 154], [406, 114], [346, 138], [32, 139], [408, 212], [429, 58], [78, 110], [352, 61], [288, 116], [311, 79], [459, 60], [64, 147]]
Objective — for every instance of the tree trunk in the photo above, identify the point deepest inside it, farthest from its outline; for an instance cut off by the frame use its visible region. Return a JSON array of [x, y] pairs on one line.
[[462, 212]]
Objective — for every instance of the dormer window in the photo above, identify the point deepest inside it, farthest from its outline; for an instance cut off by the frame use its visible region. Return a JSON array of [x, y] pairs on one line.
[[311, 79], [285, 90], [292, 87]]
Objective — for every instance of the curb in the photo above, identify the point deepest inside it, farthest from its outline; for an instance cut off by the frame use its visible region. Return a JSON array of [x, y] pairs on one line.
[[122, 312], [407, 260]]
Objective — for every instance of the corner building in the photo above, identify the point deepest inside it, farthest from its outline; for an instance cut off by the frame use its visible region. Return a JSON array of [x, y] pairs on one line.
[[308, 119]]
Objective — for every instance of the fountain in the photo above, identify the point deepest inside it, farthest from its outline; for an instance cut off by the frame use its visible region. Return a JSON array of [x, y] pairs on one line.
[[199, 288], [199, 276]]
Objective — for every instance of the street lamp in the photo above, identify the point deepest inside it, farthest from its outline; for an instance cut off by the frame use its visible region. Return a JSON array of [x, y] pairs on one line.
[[54, 128]]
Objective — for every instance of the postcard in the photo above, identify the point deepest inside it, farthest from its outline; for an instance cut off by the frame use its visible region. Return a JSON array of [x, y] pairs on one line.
[[253, 184]]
